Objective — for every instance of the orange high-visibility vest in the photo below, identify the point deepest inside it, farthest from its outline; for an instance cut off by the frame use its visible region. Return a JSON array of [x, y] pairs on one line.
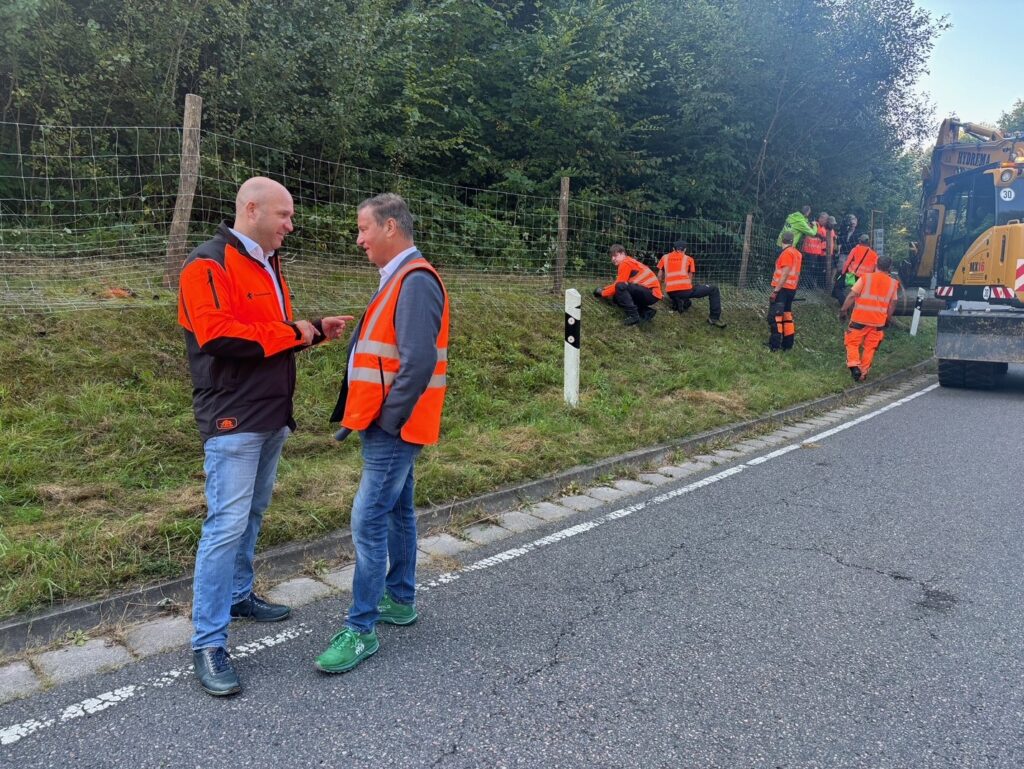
[[814, 245], [375, 364], [678, 267], [871, 307], [632, 271], [792, 258], [861, 261]]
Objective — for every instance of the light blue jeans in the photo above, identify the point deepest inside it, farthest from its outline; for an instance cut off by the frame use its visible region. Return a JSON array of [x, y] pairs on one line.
[[240, 472], [383, 527]]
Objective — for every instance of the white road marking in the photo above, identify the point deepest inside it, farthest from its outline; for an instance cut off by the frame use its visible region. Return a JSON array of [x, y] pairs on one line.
[[11, 734]]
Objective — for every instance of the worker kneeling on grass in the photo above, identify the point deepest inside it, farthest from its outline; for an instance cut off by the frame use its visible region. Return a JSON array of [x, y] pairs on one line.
[[636, 288], [872, 300]]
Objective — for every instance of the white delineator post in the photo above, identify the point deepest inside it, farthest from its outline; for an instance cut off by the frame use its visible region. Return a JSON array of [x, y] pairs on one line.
[[572, 347], [917, 312]]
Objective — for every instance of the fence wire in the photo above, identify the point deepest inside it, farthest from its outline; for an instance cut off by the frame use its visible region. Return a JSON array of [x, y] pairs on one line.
[[85, 213]]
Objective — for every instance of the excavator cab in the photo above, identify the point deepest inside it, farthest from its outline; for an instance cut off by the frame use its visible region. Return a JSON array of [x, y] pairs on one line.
[[981, 239]]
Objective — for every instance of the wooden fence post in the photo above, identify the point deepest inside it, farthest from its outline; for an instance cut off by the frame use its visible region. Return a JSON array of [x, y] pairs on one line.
[[563, 235], [187, 177], [747, 229]]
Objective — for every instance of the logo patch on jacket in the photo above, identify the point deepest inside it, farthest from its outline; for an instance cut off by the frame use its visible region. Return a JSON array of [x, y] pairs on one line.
[[227, 423]]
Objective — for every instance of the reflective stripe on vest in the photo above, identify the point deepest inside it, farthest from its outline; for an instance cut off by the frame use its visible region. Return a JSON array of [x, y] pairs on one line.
[[871, 307], [375, 364], [814, 245], [794, 271], [678, 268], [646, 278]]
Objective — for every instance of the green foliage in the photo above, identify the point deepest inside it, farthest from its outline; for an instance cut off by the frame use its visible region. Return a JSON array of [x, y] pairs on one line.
[[709, 108], [1012, 121]]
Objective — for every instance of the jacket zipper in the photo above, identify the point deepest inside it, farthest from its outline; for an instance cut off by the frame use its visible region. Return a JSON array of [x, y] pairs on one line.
[[213, 288], [380, 367]]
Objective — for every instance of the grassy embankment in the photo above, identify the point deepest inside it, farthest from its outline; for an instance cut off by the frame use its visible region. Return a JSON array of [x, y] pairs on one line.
[[101, 481]]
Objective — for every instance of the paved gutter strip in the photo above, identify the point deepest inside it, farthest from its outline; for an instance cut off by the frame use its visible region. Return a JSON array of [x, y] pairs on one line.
[[23, 632]]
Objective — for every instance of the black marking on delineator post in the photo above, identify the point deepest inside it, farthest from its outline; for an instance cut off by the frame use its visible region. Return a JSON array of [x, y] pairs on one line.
[[572, 331], [571, 382]]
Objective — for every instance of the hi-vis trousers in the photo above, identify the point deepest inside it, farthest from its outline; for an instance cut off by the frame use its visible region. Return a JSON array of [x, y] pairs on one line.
[[780, 320], [857, 335]]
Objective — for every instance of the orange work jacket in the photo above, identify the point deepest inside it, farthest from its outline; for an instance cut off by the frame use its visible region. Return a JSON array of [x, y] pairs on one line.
[[678, 267], [874, 291], [375, 364], [792, 258], [632, 271]]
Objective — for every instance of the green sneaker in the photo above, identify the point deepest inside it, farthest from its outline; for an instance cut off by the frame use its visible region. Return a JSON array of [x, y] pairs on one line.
[[348, 648], [395, 613]]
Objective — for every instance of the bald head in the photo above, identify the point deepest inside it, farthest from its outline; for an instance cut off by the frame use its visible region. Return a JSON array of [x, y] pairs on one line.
[[257, 190], [264, 211]]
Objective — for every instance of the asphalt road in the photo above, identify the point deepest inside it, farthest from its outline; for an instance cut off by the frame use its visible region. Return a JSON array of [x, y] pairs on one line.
[[851, 603]]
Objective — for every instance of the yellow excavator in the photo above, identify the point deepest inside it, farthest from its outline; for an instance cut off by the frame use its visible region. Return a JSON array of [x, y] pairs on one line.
[[971, 251]]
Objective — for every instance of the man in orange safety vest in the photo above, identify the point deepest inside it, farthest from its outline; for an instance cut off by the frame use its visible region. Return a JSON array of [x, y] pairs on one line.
[[870, 304], [636, 289]]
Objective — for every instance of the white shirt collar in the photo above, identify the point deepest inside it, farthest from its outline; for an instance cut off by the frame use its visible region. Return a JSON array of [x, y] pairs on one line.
[[389, 269], [254, 249]]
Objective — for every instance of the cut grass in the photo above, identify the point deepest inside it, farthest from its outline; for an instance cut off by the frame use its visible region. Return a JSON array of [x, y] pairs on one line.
[[101, 483]]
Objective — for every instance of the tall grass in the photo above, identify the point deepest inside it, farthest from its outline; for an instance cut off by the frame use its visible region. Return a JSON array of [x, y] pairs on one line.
[[101, 465]]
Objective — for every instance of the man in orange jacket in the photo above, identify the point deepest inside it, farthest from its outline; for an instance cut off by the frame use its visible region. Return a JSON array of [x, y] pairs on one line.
[[872, 300], [235, 308], [636, 289], [676, 269], [780, 302]]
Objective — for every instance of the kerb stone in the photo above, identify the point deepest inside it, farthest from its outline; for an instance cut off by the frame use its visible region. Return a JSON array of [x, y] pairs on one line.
[[73, 662], [17, 680], [298, 591], [159, 635]]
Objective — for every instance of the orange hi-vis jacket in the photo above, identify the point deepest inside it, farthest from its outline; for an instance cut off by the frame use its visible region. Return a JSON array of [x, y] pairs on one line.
[[375, 364], [239, 341], [632, 271], [814, 245], [792, 258], [678, 267], [874, 292], [861, 260]]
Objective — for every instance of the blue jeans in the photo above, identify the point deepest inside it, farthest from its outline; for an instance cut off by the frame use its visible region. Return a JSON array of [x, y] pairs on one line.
[[240, 472], [383, 527]]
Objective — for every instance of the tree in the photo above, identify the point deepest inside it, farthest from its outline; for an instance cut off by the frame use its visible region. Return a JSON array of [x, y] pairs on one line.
[[1012, 120]]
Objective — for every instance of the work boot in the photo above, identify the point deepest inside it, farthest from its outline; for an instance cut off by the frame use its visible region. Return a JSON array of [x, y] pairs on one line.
[[348, 648], [394, 613], [856, 373], [649, 313], [716, 322], [631, 319], [259, 610], [216, 674]]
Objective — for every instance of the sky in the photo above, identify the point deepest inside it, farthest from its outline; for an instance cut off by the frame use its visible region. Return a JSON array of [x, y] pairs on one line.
[[976, 69]]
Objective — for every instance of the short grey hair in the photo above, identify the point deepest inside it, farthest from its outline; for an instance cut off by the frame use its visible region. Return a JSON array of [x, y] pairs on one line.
[[388, 205]]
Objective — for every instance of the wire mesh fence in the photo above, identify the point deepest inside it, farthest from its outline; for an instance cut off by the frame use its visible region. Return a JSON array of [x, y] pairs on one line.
[[85, 213]]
